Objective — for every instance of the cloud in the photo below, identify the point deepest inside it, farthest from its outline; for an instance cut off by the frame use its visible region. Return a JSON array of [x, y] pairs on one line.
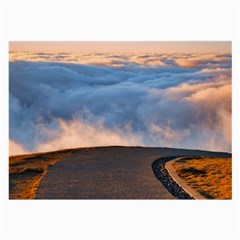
[[76, 133], [16, 149], [65, 100], [196, 60], [188, 63]]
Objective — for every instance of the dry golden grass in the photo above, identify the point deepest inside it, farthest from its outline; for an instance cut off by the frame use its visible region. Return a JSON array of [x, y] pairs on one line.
[[211, 177], [26, 172]]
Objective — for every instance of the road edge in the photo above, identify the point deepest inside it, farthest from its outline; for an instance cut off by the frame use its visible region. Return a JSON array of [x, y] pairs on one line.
[[180, 181]]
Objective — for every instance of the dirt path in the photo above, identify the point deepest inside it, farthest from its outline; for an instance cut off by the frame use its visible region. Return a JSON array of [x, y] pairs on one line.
[[109, 173]]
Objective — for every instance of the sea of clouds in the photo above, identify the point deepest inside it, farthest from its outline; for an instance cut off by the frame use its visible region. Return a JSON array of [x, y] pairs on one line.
[[66, 100]]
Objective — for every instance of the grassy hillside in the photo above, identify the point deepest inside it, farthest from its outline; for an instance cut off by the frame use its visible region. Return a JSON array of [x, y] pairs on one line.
[[211, 177]]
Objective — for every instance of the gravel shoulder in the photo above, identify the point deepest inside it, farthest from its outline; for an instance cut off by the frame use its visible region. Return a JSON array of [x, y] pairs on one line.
[[162, 174]]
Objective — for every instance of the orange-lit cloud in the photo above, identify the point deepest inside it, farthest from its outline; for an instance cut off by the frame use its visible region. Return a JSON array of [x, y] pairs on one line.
[[188, 63], [76, 133], [16, 148]]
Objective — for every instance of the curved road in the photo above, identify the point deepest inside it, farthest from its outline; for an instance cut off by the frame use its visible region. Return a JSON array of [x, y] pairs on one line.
[[109, 173]]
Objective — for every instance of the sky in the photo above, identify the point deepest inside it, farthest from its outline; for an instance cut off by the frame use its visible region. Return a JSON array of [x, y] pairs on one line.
[[110, 96], [123, 47]]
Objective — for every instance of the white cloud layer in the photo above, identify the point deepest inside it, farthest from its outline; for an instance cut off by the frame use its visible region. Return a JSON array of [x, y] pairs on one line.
[[68, 100]]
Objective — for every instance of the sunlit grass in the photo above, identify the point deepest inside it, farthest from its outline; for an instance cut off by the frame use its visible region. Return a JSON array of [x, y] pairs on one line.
[[26, 172], [211, 177]]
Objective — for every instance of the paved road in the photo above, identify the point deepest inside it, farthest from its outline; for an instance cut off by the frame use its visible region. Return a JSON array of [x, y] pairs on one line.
[[109, 173]]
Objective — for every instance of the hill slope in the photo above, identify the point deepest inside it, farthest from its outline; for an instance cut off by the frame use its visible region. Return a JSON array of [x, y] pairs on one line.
[[101, 173]]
